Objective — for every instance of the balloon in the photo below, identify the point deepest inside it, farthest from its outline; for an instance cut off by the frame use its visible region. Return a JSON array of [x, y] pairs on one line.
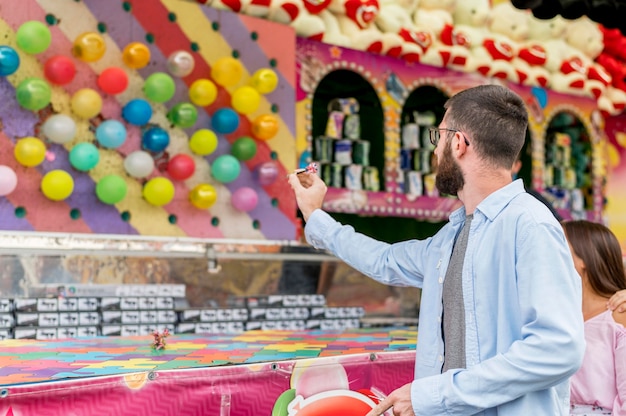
[[111, 134], [244, 148], [203, 142], [89, 47], [111, 189], [9, 60], [86, 103], [225, 121], [181, 167], [84, 156], [159, 87], [244, 199], [158, 191], [33, 94], [264, 80], [8, 180], [227, 71], [245, 100], [183, 115], [266, 173], [136, 55], [180, 63], [137, 112], [155, 139], [33, 37], [225, 168], [59, 128], [265, 127], [202, 196], [59, 70], [113, 80], [29, 151], [57, 185], [139, 164], [202, 92]]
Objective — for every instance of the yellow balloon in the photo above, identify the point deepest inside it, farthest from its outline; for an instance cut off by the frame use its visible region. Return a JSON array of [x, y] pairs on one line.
[[158, 191], [136, 55], [89, 47], [264, 80], [29, 151], [86, 103], [203, 196], [227, 71], [203, 142], [245, 100], [202, 92], [57, 185]]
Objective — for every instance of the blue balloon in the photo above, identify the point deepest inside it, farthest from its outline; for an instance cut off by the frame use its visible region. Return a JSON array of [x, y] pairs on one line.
[[155, 139], [9, 60], [225, 120], [137, 112], [111, 134]]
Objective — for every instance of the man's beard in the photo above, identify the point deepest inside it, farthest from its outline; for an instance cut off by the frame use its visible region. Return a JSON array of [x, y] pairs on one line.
[[449, 178]]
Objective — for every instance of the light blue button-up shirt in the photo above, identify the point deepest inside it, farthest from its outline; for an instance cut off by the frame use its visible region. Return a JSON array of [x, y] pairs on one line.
[[522, 299]]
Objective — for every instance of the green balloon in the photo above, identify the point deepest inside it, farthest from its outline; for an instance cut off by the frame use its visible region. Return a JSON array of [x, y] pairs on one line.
[[33, 37], [244, 148], [183, 115], [159, 87], [33, 94], [84, 156], [111, 189]]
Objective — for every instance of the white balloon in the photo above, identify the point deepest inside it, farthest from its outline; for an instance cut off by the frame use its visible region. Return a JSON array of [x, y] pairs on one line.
[[8, 180], [139, 164], [59, 128], [180, 63]]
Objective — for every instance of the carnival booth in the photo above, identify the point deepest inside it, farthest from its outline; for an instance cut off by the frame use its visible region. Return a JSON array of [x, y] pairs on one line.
[[145, 213]]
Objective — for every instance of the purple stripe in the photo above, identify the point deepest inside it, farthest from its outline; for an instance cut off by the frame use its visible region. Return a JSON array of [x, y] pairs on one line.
[[8, 220], [123, 28]]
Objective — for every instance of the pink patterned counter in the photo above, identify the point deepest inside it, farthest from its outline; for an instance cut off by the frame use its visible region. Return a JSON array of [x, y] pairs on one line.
[[278, 373]]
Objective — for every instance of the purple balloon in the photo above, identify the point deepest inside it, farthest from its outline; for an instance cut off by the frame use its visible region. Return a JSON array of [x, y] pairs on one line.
[[266, 173]]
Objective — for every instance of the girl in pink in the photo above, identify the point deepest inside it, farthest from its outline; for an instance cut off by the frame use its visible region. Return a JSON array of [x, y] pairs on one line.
[[599, 386]]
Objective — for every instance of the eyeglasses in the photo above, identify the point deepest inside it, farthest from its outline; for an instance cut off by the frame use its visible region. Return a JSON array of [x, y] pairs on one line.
[[435, 135]]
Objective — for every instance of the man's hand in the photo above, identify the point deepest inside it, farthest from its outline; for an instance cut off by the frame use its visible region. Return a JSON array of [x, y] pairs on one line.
[[399, 401], [617, 301], [310, 191]]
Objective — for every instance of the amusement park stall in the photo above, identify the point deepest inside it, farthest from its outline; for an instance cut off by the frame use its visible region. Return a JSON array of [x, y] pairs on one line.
[[146, 145]]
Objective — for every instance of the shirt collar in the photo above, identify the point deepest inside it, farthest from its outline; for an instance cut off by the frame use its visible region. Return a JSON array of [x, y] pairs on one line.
[[493, 204]]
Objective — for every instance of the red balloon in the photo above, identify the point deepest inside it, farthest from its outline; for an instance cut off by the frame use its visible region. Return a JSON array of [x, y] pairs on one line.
[[181, 167], [113, 80], [59, 70]]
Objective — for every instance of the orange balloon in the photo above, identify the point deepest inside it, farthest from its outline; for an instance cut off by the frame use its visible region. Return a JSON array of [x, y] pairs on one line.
[[89, 47], [136, 55], [265, 127]]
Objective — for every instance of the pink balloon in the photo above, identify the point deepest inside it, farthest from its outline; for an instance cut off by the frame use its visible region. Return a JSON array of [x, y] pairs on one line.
[[245, 199], [8, 180]]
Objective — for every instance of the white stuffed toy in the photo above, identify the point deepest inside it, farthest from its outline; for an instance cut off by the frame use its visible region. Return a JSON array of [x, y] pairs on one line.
[[449, 48], [355, 20], [394, 17], [289, 12], [471, 20], [586, 36]]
